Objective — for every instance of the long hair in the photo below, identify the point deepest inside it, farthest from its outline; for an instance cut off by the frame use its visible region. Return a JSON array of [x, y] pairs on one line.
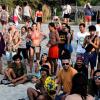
[[94, 86], [2, 39], [2, 43], [79, 85]]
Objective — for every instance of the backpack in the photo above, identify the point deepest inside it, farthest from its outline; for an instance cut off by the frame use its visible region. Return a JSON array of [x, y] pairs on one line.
[[4, 15]]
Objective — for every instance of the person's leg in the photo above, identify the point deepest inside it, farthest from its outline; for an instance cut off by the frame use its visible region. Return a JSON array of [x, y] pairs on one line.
[[41, 97], [32, 94], [53, 63], [21, 81], [89, 20], [9, 73], [31, 58], [25, 55], [39, 26], [38, 51], [0, 64], [19, 51], [93, 60], [86, 20], [98, 65], [86, 59]]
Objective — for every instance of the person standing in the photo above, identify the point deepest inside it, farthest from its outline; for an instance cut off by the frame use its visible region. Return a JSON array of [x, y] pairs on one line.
[[2, 50], [88, 14], [98, 33], [53, 46], [4, 18], [91, 45], [36, 38], [39, 15], [66, 13], [27, 14], [80, 39], [16, 15], [22, 45]]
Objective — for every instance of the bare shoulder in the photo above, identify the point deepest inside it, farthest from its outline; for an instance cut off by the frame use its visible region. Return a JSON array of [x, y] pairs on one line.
[[90, 97]]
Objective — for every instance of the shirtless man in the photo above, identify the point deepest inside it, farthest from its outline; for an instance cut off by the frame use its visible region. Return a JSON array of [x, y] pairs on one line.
[[91, 44]]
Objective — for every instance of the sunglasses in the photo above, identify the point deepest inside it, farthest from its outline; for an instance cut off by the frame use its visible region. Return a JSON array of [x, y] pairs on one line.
[[65, 63], [96, 77]]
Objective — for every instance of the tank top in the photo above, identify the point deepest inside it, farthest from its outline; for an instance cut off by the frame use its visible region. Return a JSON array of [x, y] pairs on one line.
[[39, 14], [89, 47], [26, 11]]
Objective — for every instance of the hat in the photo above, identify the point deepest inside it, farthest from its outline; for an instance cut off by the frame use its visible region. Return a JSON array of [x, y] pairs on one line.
[[45, 68]]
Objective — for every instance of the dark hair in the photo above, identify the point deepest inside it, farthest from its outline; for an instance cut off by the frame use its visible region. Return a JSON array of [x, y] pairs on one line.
[[34, 23], [65, 55], [3, 7], [94, 88], [52, 24], [15, 57], [45, 68], [25, 3], [79, 85], [40, 7], [2, 39], [92, 28], [68, 28], [24, 27], [2, 43], [30, 28], [41, 58], [82, 24]]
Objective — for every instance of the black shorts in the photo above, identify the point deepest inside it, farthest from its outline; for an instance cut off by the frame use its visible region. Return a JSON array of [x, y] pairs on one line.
[[39, 19], [66, 15], [3, 22], [26, 18]]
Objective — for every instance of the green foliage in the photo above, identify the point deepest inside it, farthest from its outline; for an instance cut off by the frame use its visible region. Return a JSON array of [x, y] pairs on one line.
[[82, 2], [12, 3]]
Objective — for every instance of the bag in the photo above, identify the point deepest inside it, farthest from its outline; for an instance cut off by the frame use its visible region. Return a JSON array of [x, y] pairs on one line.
[[4, 16]]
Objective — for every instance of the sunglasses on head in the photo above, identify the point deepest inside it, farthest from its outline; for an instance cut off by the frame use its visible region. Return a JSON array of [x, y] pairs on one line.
[[96, 77], [65, 63]]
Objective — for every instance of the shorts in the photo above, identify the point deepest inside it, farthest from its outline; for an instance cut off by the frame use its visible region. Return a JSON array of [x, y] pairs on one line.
[[37, 49], [87, 18], [26, 18], [39, 19], [66, 15], [90, 57], [15, 18], [3, 22], [54, 52]]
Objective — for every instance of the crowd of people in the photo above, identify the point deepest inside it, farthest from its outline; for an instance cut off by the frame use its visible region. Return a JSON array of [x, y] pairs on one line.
[[52, 73]]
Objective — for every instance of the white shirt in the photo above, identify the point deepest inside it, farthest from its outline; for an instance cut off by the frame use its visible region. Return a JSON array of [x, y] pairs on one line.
[[67, 9], [98, 29], [80, 37], [26, 11]]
